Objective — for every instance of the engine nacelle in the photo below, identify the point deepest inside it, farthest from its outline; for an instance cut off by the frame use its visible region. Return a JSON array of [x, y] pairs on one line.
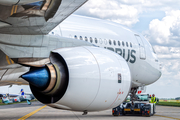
[[86, 79]]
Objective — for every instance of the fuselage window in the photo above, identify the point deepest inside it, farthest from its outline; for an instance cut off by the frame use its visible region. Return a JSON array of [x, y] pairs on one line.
[[119, 43], [75, 37], [122, 43], [130, 44], [110, 42], [81, 38], [114, 42], [86, 39], [96, 41], [100, 40], [127, 44], [105, 41], [91, 40]]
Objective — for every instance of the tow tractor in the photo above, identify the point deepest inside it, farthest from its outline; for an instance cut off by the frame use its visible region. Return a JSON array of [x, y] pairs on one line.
[[138, 105]]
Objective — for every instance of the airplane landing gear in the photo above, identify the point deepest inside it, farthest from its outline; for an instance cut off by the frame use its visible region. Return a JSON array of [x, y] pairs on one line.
[[133, 96]]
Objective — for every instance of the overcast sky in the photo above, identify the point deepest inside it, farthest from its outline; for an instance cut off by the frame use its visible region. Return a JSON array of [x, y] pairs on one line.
[[158, 21]]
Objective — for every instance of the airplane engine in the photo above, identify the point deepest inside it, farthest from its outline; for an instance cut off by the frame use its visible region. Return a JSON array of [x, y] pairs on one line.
[[81, 79]]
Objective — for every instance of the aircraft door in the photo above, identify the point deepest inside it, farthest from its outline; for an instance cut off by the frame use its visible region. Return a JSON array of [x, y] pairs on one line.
[[141, 47]]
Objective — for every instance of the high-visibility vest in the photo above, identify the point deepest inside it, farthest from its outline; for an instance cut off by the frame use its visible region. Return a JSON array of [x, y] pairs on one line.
[[153, 100]]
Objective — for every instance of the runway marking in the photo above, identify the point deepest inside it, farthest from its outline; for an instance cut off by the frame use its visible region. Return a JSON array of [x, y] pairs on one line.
[[167, 117], [32, 113]]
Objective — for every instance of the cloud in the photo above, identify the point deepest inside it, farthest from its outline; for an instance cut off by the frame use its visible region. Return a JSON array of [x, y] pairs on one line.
[[165, 52], [165, 32], [171, 72], [110, 10], [125, 12]]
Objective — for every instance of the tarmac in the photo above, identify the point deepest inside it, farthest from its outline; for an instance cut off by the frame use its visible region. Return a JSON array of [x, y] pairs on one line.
[[38, 111]]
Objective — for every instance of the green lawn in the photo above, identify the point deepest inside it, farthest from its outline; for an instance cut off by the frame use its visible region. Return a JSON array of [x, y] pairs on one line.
[[177, 104], [0, 101]]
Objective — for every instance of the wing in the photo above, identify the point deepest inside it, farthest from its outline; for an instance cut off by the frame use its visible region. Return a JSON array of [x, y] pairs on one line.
[[35, 18], [23, 29]]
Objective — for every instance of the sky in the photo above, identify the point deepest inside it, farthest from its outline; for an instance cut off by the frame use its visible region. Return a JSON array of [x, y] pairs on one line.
[[158, 21]]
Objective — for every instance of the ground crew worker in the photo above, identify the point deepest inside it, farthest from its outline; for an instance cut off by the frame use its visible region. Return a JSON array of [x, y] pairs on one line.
[[153, 99]]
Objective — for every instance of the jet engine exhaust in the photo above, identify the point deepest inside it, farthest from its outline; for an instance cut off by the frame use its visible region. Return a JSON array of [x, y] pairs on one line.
[[38, 77], [47, 83]]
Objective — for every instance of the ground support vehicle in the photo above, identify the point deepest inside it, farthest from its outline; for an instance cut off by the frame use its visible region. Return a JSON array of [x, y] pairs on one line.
[[139, 107], [144, 109]]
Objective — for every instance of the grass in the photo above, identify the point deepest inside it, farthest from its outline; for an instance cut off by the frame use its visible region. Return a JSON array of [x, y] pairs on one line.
[[169, 103]]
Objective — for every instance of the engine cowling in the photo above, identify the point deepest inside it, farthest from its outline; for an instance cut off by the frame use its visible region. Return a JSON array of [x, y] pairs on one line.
[[83, 79]]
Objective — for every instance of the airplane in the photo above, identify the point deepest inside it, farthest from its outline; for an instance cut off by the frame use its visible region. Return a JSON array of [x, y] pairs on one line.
[[10, 95], [72, 62], [19, 98]]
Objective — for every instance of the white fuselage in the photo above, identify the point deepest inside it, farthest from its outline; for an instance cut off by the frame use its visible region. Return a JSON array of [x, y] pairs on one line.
[[133, 47], [98, 79]]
